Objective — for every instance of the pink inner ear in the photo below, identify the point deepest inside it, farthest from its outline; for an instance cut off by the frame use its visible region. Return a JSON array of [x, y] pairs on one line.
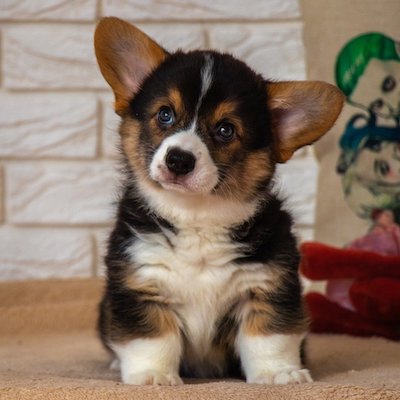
[[134, 72], [131, 83], [288, 122]]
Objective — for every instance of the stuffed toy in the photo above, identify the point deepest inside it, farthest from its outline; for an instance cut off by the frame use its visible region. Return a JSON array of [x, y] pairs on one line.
[[362, 295], [363, 280]]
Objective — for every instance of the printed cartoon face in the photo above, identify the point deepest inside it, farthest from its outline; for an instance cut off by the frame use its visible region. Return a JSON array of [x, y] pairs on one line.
[[368, 71], [372, 181], [378, 89], [380, 163]]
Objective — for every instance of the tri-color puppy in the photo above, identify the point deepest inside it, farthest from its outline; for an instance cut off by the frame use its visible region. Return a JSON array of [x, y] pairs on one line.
[[202, 263]]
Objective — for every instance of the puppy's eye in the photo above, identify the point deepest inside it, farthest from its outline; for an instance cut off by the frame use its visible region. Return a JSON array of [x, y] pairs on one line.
[[225, 132], [166, 116], [388, 84]]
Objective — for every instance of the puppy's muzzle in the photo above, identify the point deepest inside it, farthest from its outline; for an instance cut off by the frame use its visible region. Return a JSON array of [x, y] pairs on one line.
[[180, 162]]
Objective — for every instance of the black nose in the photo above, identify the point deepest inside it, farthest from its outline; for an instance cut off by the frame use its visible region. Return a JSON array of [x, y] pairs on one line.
[[180, 162]]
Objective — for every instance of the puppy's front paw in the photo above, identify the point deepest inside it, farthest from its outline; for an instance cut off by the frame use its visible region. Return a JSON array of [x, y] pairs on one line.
[[282, 377], [151, 377]]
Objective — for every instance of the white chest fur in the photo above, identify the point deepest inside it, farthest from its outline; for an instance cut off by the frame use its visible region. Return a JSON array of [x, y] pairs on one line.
[[194, 271]]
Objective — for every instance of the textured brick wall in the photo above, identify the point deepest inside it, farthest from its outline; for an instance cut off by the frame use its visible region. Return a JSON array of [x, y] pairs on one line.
[[57, 128]]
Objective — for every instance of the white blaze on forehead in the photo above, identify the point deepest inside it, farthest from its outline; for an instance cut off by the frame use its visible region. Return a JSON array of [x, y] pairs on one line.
[[206, 77]]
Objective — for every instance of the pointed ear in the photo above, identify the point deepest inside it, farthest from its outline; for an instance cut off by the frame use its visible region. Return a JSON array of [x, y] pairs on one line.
[[301, 113], [125, 56]]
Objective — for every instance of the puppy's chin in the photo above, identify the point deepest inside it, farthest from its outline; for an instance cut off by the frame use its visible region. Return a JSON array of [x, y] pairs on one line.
[[193, 183]]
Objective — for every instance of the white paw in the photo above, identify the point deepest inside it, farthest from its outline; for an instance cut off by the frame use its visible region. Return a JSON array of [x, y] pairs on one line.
[[282, 377], [151, 377]]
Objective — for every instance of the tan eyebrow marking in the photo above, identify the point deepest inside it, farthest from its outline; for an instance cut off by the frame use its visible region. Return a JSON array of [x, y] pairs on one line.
[[175, 98], [172, 99], [225, 109]]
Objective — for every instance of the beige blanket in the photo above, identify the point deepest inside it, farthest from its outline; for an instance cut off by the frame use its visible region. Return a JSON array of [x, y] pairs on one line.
[[49, 350]]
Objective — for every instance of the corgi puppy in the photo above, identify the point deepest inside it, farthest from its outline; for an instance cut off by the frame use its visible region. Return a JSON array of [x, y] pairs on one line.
[[202, 276]]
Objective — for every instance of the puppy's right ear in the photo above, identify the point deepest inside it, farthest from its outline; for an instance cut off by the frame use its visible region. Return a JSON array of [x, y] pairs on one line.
[[125, 56]]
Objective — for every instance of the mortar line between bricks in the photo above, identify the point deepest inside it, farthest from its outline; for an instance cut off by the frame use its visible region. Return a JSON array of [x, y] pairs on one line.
[[94, 266], [49, 90], [3, 220], [90, 229], [99, 130], [55, 158], [207, 39], [1, 57], [59, 225], [146, 21], [99, 9], [217, 21]]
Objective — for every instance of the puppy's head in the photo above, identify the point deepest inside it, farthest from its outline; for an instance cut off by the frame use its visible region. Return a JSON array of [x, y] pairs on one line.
[[203, 123]]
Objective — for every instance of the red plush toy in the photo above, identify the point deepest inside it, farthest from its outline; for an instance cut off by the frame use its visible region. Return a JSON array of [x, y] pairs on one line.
[[363, 282]]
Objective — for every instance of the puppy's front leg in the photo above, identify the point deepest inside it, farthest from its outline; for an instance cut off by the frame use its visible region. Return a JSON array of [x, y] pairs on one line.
[[137, 324], [272, 359], [150, 361], [269, 355]]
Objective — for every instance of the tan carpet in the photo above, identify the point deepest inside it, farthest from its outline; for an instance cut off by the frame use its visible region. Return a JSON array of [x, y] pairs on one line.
[[49, 350]]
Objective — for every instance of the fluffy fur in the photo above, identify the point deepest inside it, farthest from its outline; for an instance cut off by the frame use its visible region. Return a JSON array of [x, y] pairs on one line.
[[202, 265]]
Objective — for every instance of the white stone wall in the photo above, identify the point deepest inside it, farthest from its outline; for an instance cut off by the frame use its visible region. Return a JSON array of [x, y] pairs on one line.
[[57, 128]]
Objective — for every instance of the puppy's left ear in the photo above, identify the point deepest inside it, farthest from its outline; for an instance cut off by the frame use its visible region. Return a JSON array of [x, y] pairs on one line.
[[301, 113], [126, 56]]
